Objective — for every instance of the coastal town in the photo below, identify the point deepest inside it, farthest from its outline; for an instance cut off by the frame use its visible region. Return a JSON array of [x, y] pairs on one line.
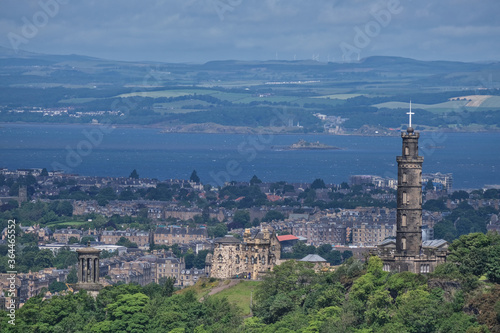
[[151, 230]]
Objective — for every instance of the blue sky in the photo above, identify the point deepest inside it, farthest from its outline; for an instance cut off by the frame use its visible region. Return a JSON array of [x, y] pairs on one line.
[[204, 30]]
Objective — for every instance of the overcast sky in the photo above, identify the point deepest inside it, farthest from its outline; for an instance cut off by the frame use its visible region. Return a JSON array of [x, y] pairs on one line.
[[204, 30]]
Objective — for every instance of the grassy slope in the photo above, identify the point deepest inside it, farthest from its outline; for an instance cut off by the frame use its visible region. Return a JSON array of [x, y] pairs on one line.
[[239, 294]]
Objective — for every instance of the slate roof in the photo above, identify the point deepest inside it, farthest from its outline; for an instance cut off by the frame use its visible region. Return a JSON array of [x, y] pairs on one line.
[[313, 258], [434, 243], [227, 239], [388, 241]]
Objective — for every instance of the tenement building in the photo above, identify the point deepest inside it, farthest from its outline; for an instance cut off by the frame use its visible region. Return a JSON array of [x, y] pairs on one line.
[[407, 252], [249, 258]]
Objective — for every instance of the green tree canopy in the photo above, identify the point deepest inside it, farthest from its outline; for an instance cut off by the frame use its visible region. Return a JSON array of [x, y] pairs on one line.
[[194, 177], [134, 174]]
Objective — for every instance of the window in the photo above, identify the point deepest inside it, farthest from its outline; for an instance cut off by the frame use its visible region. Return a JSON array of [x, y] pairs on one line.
[[263, 260], [253, 260], [404, 180], [403, 220], [219, 258], [403, 244], [237, 259], [407, 151], [246, 259], [405, 198]]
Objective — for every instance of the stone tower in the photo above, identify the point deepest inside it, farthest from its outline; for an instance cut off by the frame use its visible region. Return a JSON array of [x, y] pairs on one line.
[[88, 270], [23, 194], [407, 252], [409, 201]]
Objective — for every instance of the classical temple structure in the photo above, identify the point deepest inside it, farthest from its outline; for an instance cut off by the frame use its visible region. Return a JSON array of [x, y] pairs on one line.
[[249, 258], [88, 270], [407, 252]]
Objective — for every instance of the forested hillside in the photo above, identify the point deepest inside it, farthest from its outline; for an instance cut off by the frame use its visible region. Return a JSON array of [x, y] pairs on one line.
[[463, 295]]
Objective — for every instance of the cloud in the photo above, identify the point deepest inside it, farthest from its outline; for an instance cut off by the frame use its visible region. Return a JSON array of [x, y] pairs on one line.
[[203, 30]]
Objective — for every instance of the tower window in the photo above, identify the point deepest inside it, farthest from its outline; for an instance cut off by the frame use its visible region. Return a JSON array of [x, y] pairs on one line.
[[407, 151], [404, 180], [403, 220], [219, 258], [403, 244], [405, 198]]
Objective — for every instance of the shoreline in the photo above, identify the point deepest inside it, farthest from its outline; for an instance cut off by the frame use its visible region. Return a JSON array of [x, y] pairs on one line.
[[221, 129]]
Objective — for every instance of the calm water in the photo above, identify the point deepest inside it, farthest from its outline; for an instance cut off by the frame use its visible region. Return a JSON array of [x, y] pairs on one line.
[[474, 159]]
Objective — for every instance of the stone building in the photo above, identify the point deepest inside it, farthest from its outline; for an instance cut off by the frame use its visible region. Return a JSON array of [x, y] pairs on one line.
[[179, 235], [63, 235], [371, 234], [140, 237], [407, 252], [248, 258], [321, 233]]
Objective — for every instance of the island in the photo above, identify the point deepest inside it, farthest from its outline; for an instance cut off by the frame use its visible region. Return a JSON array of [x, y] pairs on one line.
[[305, 145]]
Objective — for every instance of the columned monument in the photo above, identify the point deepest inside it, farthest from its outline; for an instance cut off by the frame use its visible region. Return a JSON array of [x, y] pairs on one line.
[[88, 270]]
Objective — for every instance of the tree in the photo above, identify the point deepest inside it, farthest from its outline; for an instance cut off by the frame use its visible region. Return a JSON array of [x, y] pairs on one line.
[[318, 183], [255, 180], [218, 230], [56, 287], [429, 186], [125, 315], [72, 277], [72, 240], [44, 173], [283, 290], [126, 242], [241, 219], [273, 215], [194, 177], [459, 195], [134, 174], [86, 239]]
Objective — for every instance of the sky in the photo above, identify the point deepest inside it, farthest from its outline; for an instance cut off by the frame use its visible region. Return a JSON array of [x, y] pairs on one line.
[[197, 31]]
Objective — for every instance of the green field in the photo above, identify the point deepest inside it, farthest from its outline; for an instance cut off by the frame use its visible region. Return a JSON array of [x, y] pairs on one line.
[[241, 295], [492, 102], [169, 93], [77, 100], [339, 96], [438, 108], [68, 224], [180, 106]]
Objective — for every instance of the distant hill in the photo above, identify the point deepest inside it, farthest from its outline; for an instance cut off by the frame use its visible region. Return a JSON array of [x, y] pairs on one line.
[[244, 94]]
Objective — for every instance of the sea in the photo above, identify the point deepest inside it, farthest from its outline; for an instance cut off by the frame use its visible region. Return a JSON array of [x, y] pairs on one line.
[[101, 150]]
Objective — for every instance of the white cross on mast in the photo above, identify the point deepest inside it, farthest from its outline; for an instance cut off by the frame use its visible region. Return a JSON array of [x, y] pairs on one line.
[[410, 113]]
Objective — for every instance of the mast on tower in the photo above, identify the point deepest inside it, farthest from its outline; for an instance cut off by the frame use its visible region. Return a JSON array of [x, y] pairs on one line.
[[410, 113]]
